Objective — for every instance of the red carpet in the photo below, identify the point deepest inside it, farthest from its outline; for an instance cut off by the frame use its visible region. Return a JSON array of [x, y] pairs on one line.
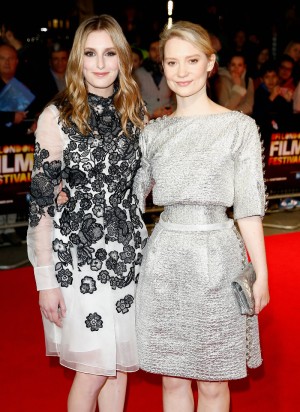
[[31, 382]]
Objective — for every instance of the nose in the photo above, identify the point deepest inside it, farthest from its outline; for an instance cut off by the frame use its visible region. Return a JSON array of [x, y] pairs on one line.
[[100, 63], [182, 70]]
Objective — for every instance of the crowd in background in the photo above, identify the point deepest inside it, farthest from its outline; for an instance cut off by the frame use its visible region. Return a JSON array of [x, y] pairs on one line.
[[258, 56], [253, 37]]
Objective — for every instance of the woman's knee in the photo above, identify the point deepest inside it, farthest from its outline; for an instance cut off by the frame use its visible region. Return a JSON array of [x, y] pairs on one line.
[[212, 389], [175, 384], [92, 383]]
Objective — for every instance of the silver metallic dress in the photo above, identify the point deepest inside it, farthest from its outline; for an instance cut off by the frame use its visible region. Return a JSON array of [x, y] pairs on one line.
[[188, 322]]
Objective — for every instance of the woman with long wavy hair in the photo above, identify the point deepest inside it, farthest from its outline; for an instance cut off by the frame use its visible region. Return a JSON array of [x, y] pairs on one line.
[[87, 252]]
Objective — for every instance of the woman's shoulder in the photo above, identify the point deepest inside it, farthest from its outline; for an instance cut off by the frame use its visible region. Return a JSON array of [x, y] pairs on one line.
[[50, 112], [234, 120], [51, 109], [239, 124], [154, 125], [238, 115], [152, 133], [247, 122]]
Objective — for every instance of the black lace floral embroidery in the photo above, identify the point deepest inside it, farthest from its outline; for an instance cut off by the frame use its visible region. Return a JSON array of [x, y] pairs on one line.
[[123, 305], [94, 322], [98, 171], [43, 184]]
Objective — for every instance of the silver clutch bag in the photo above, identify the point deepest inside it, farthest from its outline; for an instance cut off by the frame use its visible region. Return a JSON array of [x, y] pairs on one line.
[[242, 287]]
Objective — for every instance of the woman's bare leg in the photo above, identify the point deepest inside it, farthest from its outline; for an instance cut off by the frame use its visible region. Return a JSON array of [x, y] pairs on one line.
[[213, 397], [84, 392], [177, 395], [112, 395]]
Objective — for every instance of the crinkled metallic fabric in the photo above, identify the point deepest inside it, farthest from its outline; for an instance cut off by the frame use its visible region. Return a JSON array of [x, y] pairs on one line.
[[188, 321]]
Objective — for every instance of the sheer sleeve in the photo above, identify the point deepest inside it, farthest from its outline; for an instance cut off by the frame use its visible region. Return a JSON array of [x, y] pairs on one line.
[[45, 180], [143, 181], [249, 185]]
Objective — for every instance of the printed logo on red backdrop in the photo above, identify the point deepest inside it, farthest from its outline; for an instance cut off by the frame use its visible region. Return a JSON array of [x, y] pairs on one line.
[[283, 162], [16, 162]]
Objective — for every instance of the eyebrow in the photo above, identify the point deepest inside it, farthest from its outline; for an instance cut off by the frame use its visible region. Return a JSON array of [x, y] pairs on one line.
[[186, 57], [106, 49]]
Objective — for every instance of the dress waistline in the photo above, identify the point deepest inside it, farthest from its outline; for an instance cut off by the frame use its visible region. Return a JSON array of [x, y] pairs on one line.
[[194, 227]]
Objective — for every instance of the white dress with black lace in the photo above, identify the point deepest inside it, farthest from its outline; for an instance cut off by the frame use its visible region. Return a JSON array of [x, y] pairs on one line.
[[188, 321], [92, 246]]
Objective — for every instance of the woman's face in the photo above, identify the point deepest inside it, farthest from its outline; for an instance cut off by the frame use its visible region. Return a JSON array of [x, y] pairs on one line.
[[186, 67], [100, 63], [285, 70], [237, 66]]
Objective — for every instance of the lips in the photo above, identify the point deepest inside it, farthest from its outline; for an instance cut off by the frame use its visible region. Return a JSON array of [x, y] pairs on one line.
[[183, 84]]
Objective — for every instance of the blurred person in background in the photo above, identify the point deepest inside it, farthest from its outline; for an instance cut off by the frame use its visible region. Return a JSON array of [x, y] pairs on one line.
[[262, 56], [155, 91], [286, 72], [296, 99], [31, 56], [137, 57], [12, 36], [233, 87], [273, 105], [220, 47], [293, 49], [15, 122], [240, 42], [51, 79]]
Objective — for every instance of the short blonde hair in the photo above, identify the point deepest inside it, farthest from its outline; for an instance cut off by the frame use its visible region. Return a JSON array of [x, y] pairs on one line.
[[188, 31]]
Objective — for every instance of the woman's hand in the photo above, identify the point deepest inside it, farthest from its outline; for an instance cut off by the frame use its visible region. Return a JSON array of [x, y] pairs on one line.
[[261, 295], [62, 197], [251, 229], [52, 305]]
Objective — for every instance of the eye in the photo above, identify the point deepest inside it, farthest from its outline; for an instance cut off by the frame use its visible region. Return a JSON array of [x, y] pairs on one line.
[[111, 53], [194, 61], [89, 53], [170, 63]]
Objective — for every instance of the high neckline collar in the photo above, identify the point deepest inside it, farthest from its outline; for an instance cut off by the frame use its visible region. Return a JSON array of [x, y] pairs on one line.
[[95, 100]]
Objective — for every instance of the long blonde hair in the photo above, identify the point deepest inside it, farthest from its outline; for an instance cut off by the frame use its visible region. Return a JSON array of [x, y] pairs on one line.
[[73, 101]]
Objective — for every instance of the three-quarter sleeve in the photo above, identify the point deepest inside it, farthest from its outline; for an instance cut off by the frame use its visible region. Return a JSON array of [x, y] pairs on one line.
[[249, 185], [45, 180], [143, 181]]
